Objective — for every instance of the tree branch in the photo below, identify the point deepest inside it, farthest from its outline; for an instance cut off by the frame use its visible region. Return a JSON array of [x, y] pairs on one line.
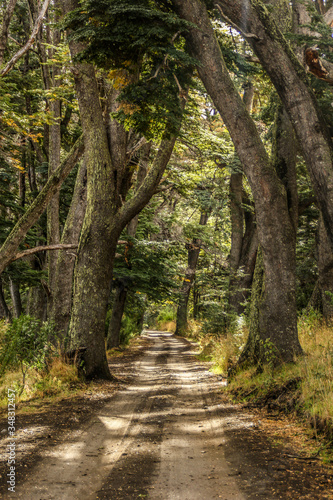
[[42, 248], [233, 25], [40, 203], [29, 43]]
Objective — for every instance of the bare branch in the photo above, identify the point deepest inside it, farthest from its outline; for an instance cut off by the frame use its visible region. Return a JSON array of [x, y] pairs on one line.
[[237, 28], [29, 43], [42, 248]]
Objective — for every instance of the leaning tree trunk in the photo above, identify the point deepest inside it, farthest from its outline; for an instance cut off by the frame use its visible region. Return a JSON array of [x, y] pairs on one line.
[[192, 260], [288, 76], [278, 322]]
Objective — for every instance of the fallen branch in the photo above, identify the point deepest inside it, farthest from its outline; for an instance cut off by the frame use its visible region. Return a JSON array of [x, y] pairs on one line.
[[42, 248]]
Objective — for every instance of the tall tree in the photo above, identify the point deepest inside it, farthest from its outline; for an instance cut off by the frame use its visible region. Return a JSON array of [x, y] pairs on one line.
[[275, 231], [258, 27], [107, 212]]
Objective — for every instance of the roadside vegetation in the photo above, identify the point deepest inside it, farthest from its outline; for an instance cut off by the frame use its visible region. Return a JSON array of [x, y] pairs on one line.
[[302, 388]]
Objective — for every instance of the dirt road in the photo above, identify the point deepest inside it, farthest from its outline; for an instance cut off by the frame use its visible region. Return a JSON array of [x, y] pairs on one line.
[[169, 435]]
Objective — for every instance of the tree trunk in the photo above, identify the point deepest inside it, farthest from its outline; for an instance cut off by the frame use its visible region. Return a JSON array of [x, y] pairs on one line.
[[5, 26], [63, 282], [4, 311], [254, 350], [53, 227], [16, 298], [325, 271], [243, 250], [37, 303], [106, 216], [278, 322], [240, 284], [116, 317], [192, 260]]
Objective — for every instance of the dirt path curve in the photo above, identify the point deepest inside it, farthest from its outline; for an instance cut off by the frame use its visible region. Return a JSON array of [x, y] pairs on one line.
[[167, 436]]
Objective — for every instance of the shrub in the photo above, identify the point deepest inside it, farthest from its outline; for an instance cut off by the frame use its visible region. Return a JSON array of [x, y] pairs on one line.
[[25, 345]]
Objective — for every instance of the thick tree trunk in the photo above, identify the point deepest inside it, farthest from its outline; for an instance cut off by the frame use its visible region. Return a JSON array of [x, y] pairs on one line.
[[37, 303], [192, 260], [116, 317], [63, 282], [278, 323], [291, 82], [93, 269], [106, 216]]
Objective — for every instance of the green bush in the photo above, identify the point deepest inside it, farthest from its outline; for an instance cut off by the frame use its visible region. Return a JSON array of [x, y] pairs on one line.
[[25, 345]]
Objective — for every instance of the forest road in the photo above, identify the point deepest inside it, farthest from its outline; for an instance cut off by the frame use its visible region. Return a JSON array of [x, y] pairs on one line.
[[168, 435]]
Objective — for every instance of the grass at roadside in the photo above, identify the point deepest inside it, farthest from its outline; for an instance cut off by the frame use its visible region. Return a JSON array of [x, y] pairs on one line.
[[304, 388], [57, 381]]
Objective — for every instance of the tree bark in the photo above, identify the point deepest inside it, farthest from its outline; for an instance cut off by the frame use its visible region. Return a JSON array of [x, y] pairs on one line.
[[278, 323]]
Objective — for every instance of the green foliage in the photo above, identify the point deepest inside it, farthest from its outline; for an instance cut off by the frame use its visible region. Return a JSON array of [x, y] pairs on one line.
[[132, 322], [25, 344], [140, 42], [148, 267]]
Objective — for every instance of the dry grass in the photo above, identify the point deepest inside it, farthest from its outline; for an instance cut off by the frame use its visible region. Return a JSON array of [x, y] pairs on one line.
[[166, 326], [304, 387], [60, 379]]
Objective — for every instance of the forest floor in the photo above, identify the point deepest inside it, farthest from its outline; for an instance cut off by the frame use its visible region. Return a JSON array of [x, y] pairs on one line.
[[166, 430]]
